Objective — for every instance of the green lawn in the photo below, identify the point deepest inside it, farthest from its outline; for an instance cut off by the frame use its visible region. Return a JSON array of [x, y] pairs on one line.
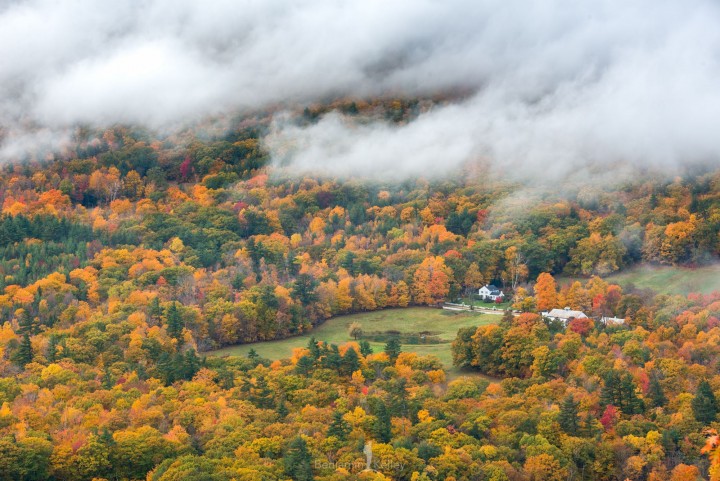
[[668, 279], [473, 299], [410, 320]]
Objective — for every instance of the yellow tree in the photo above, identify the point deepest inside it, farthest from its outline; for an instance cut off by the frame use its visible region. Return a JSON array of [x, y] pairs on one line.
[[577, 297], [685, 472], [343, 296], [522, 301], [473, 277], [399, 295], [133, 185], [546, 296], [545, 467], [516, 270], [431, 281]]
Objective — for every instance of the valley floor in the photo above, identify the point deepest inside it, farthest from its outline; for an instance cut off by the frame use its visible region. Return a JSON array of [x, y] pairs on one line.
[[411, 320]]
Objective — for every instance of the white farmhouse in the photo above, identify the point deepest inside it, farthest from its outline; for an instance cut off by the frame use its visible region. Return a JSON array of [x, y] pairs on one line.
[[564, 315], [612, 321], [490, 293]]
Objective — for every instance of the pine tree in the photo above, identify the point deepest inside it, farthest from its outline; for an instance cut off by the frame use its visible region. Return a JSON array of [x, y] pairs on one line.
[[339, 427], [656, 394], [332, 359], [568, 417], [52, 348], [24, 354], [365, 348], [260, 394], [297, 461], [107, 379], [630, 402], [154, 310], [253, 356], [282, 409], [174, 323], [350, 362], [704, 404], [588, 426], [620, 391], [166, 367], [314, 348], [304, 289], [191, 364], [610, 390], [304, 365], [26, 324], [393, 348], [381, 428]]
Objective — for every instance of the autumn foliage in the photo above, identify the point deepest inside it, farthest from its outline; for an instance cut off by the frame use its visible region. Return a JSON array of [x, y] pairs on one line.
[[126, 260]]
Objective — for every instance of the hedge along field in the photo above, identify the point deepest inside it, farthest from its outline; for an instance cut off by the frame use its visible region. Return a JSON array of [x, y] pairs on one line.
[[412, 320]]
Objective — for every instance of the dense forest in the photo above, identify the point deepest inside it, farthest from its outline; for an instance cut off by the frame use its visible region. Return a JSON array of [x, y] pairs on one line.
[[129, 255]]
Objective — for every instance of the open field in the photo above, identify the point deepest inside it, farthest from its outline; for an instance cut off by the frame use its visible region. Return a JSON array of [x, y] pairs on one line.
[[444, 324], [668, 279], [473, 299]]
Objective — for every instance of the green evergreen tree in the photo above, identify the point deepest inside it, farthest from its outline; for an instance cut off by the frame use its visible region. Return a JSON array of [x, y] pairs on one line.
[[167, 367], [24, 355], [52, 348], [393, 348], [588, 426], [191, 364], [332, 359], [173, 321], [568, 417], [365, 348], [261, 394], [656, 394], [620, 390], [610, 392], [304, 289], [154, 310], [26, 323], [630, 402], [304, 365], [339, 427], [314, 348], [107, 380], [350, 362], [382, 426], [704, 404], [297, 461], [253, 356], [282, 409]]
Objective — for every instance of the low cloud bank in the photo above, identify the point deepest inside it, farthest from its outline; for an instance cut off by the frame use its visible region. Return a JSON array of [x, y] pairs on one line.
[[561, 88]]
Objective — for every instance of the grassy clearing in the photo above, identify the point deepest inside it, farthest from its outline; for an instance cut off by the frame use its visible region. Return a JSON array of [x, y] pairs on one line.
[[668, 279], [474, 300], [410, 320]]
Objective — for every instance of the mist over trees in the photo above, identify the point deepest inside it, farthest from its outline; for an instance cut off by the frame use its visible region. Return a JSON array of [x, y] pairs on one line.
[[128, 258]]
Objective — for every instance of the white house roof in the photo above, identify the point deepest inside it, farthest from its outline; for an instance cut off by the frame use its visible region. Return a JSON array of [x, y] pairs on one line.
[[566, 313], [494, 290], [612, 320]]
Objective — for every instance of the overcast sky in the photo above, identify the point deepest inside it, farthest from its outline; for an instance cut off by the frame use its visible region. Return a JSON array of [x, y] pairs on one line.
[[561, 85]]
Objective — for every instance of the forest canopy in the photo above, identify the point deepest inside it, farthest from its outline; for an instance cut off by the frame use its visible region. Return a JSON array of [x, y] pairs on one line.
[[126, 259]]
